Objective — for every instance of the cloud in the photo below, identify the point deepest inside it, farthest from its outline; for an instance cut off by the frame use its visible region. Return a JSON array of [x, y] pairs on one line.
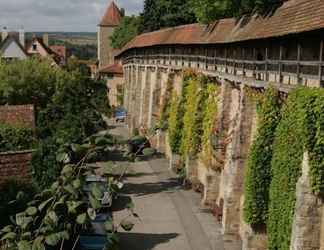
[[59, 15]]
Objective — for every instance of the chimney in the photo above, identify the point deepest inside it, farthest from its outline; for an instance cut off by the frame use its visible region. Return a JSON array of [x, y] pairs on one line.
[[45, 39], [22, 37], [4, 33]]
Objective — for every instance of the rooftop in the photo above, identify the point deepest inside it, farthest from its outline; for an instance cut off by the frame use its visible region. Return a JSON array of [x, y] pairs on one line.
[[294, 16], [112, 16]]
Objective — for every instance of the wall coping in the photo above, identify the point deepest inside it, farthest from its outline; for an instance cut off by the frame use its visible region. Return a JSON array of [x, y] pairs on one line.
[[17, 152]]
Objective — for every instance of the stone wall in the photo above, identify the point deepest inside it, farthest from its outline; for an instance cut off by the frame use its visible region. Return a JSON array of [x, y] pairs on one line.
[[22, 115], [15, 165], [105, 50], [222, 184]]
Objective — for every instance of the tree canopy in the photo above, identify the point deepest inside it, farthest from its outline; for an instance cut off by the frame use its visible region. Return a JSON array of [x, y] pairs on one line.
[[159, 14], [126, 31]]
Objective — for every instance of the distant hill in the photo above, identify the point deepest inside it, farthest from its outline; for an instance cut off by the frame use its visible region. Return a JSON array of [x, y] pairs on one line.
[[83, 45]]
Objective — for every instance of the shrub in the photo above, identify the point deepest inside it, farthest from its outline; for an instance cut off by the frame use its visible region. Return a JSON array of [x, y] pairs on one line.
[[15, 138], [258, 173], [13, 199]]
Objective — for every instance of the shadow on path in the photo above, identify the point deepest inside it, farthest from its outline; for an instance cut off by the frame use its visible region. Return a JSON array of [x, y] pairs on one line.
[[141, 241], [150, 188]]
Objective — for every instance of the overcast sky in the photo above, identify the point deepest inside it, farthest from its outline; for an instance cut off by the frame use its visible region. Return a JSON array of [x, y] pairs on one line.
[[59, 15]]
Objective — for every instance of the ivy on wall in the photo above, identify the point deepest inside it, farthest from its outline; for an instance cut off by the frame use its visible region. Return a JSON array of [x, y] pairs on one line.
[[165, 107], [300, 130], [190, 142], [209, 116], [258, 173], [285, 170], [174, 123]]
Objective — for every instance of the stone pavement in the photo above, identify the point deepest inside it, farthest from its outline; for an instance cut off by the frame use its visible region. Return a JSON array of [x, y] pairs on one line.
[[171, 218]]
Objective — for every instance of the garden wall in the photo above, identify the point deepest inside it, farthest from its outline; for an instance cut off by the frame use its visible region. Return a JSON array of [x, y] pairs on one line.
[[18, 115], [15, 165]]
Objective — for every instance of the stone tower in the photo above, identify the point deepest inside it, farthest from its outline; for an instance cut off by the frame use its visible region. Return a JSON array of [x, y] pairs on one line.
[[109, 22]]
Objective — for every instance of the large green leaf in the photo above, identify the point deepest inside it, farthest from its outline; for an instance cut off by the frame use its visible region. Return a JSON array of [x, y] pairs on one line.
[[69, 188], [24, 245], [127, 225], [92, 213], [7, 229], [67, 170], [81, 219], [109, 226], [95, 204], [31, 211], [96, 191], [52, 215], [44, 204], [38, 243], [76, 184], [63, 158], [73, 205], [53, 239], [9, 236]]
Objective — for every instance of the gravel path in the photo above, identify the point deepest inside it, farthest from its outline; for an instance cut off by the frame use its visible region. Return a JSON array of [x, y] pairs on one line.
[[171, 218]]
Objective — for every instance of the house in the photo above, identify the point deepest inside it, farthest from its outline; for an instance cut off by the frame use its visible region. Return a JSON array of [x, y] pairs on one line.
[[109, 68], [12, 46], [39, 47]]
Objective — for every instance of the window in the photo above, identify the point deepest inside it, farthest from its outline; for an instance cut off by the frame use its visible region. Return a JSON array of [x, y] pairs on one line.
[[34, 46]]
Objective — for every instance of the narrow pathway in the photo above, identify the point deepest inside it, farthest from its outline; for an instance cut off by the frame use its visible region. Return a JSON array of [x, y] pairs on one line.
[[170, 218]]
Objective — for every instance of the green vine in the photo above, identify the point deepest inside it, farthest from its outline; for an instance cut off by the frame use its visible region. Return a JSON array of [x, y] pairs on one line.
[[165, 107], [210, 113], [190, 142], [174, 124], [258, 174]]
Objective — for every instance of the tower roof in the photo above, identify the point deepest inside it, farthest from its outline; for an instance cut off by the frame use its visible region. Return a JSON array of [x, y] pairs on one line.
[[112, 16]]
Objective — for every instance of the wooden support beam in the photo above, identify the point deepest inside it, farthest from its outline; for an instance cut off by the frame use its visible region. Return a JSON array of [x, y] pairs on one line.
[[298, 63], [226, 71], [280, 63], [243, 58], [266, 63], [254, 64], [320, 74]]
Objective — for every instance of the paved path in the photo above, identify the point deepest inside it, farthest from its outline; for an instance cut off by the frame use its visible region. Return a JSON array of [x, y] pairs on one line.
[[171, 218]]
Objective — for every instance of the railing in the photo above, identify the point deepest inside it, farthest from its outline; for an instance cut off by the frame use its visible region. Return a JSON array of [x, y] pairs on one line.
[[257, 69]]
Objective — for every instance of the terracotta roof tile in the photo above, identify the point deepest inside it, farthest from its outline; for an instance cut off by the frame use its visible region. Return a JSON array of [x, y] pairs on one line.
[[112, 16], [294, 16], [115, 68]]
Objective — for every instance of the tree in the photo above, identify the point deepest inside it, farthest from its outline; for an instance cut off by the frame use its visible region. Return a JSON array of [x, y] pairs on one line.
[[207, 11], [126, 31], [158, 14]]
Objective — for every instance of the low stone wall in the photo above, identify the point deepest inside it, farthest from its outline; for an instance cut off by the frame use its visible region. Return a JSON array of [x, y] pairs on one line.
[[15, 165], [23, 115]]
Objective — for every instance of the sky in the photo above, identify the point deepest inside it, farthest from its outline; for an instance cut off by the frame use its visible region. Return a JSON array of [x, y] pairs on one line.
[[59, 15]]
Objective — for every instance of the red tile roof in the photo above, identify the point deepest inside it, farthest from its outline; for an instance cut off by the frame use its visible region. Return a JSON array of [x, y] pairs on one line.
[[115, 68], [60, 50], [294, 16], [112, 17]]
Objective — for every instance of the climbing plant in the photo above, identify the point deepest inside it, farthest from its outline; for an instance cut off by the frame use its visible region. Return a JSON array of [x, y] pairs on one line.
[[176, 114], [190, 142], [165, 107], [258, 173], [209, 117], [174, 123], [300, 130]]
